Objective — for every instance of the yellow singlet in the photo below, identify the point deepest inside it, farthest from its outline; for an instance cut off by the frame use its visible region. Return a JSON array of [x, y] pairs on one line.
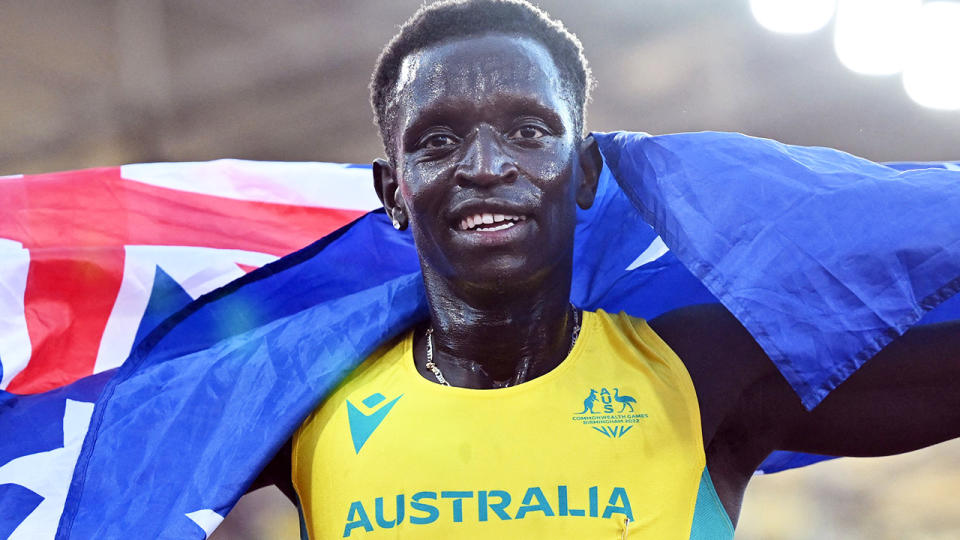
[[607, 445]]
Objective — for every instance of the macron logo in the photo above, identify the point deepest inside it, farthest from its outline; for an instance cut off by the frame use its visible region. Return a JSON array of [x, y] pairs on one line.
[[362, 425]]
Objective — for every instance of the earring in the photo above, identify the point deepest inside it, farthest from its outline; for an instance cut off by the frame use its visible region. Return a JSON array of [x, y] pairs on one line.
[[396, 216]]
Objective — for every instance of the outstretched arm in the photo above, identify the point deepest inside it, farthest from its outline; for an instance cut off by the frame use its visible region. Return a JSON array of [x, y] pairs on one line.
[[905, 398]]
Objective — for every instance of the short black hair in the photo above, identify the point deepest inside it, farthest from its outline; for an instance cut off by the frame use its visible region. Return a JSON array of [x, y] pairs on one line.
[[448, 20]]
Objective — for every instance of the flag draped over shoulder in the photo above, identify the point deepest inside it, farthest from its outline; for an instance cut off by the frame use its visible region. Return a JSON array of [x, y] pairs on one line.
[[824, 257]]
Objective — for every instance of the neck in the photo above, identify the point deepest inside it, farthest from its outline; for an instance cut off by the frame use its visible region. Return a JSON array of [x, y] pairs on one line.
[[495, 338]]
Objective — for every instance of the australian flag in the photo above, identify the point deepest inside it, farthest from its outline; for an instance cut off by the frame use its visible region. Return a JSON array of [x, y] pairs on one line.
[[174, 268]]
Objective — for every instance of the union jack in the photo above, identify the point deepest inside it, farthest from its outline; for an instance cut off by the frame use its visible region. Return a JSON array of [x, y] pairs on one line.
[[79, 250]]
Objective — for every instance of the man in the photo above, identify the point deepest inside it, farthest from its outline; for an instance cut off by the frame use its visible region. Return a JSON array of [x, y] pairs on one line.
[[481, 110]]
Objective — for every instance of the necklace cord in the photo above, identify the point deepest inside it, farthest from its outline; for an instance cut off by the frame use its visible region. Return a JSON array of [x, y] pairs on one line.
[[432, 366]]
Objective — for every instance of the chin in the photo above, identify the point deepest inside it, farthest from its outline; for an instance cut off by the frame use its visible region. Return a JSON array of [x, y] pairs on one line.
[[504, 274]]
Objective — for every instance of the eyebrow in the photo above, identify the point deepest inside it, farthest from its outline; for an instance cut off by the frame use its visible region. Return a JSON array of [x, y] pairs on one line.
[[449, 112], [536, 107]]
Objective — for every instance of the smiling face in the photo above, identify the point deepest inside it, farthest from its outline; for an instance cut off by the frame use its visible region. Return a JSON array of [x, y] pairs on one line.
[[488, 164]]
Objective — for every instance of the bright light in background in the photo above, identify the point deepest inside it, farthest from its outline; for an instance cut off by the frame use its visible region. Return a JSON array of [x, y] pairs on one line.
[[884, 37], [932, 73], [793, 16], [870, 36]]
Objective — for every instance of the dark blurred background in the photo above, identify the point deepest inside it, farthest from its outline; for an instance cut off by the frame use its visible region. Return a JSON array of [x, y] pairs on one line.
[[101, 82], [107, 82]]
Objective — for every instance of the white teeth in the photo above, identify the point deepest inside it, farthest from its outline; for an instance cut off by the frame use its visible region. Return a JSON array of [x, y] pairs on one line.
[[476, 220]]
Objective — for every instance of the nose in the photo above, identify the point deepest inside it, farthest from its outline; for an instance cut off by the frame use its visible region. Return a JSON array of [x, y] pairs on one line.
[[484, 161]]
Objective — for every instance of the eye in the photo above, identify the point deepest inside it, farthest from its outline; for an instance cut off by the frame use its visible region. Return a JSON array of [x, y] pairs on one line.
[[438, 140], [527, 131]]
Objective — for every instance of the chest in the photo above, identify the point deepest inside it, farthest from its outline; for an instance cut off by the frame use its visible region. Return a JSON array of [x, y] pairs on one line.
[[579, 456]]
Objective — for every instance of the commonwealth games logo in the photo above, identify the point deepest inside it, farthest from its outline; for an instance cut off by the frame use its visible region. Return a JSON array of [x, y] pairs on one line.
[[611, 414]]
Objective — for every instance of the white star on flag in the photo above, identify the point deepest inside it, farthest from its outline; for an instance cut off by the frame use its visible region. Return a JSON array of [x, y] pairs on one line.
[[654, 251], [206, 519], [48, 474]]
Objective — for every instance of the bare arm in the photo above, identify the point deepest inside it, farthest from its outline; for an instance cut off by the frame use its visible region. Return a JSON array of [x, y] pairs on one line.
[[905, 398]]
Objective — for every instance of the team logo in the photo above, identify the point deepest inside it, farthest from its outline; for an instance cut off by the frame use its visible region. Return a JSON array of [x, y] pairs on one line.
[[612, 414], [363, 424]]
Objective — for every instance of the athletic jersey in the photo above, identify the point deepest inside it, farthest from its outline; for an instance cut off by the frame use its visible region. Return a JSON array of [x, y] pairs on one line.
[[606, 445]]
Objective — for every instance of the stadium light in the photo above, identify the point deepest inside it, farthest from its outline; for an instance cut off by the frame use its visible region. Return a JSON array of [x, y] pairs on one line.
[[871, 37], [793, 16], [931, 75]]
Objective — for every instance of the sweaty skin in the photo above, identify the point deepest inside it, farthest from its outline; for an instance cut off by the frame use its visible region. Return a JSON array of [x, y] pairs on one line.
[[485, 128]]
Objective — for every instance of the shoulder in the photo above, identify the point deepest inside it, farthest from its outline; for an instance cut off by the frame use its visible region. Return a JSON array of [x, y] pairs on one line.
[[703, 329], [636, 337], [745, 403], [634, 341], [726, 364], [707, 337]]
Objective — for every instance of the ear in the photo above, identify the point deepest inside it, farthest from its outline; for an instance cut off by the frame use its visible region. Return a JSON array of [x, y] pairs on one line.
[[388, 190], [591, 163]]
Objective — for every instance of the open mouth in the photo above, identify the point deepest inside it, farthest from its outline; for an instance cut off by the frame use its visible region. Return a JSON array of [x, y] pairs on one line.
[[490, 222]]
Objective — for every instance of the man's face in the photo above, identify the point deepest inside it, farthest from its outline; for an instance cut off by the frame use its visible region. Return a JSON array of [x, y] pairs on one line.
[[487, 159]]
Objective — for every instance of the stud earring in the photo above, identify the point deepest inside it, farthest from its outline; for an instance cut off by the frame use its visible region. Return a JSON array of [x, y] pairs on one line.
[[399, 220]]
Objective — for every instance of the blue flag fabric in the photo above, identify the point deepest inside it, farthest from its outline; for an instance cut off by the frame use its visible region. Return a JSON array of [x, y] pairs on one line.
[[849, 255], [211, 394], [824, 257]]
